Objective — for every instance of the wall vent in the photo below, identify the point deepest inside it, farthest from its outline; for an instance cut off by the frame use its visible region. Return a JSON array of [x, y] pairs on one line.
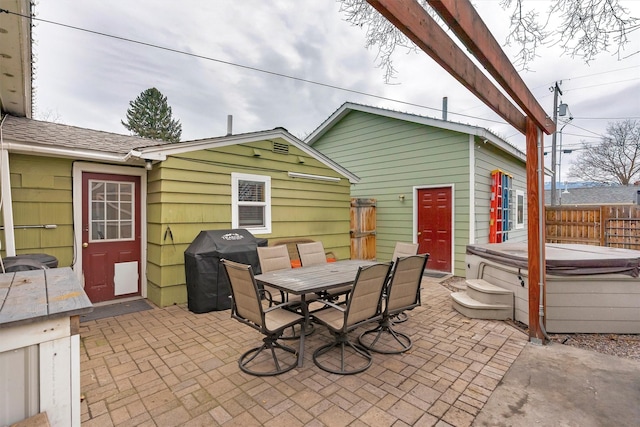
[[280, 148]]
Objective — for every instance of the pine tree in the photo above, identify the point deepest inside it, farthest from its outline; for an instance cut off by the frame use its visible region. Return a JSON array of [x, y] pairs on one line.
[[149, 116]]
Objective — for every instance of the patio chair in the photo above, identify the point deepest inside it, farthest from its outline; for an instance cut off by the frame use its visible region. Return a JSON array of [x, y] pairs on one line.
[[292, 248], [402, 293], [271, 322], [364, 305], [314, 254], [274, 258], [402, 250]]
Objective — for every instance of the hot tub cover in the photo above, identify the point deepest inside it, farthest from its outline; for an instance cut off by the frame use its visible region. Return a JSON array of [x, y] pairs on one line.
[[564, 259]]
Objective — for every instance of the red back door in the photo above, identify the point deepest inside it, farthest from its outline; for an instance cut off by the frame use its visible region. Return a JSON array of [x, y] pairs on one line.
[[435, 210], [111, 235]]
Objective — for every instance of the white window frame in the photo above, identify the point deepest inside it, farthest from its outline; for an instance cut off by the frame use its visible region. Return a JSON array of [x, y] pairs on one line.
[[518, 207], [235, 216]]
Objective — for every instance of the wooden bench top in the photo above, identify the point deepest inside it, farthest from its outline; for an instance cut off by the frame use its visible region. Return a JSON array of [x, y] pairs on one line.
[[35, 295]]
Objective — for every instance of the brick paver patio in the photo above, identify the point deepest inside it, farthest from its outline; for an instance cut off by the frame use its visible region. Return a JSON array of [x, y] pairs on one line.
[[171, 367]]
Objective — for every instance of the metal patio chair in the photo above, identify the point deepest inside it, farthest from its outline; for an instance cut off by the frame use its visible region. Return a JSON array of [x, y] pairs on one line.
[[276, 258], [402, 293], [401, 250], [313, 254], [364, 305], [271, 322]]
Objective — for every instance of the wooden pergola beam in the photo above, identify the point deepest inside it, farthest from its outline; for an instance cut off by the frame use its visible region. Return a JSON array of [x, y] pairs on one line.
[[467, 25], [411, 18]]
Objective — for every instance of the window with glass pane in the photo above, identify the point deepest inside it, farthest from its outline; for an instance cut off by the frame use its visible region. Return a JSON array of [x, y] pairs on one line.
[[111, 210], [251, 202]]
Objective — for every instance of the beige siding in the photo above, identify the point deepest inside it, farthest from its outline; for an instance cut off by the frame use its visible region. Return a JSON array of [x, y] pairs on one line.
[[191, 192], [42, 194]]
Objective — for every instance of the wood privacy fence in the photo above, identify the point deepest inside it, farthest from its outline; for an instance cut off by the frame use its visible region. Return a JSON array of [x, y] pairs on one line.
[[615, 226], [363, 229]]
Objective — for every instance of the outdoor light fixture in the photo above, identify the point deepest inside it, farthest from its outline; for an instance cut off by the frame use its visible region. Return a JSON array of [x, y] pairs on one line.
[[148, 165]]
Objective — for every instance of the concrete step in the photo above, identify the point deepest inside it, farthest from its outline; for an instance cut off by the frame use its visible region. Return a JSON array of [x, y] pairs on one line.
[[474, 309], [485, 292]]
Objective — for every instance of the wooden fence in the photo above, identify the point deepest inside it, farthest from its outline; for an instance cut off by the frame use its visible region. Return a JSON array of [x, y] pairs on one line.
[[615, 226]]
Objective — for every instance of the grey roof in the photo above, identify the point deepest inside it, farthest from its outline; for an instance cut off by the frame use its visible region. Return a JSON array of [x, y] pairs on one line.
[[28, 131], [602, 195], [33, 136]]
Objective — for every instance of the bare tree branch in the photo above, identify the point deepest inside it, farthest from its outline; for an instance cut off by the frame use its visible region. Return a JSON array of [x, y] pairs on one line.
[[582, 28], [615, 159]]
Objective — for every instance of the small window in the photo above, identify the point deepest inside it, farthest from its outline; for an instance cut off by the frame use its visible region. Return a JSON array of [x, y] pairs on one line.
[[519, 209], [251, 202]]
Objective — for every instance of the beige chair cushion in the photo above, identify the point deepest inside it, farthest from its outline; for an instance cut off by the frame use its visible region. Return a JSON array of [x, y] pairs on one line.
[[312, 253], [273, 258], [403, 249]]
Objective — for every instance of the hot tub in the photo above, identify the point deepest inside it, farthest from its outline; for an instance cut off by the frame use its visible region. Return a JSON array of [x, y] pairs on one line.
[[590, 289]]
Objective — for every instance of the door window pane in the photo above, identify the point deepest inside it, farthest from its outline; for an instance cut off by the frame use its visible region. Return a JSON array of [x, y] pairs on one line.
[[112, 212]]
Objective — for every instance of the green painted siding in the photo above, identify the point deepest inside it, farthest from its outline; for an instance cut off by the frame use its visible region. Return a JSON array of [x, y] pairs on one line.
[[42, 194], [391, 157], [488, 158], [191, 192]]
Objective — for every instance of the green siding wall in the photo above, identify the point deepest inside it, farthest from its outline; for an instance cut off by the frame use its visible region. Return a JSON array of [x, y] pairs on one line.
[[391, 157], [42, 194], [191, 192]]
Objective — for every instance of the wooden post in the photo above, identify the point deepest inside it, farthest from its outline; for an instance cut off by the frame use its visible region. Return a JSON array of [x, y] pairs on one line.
[[535, 249]]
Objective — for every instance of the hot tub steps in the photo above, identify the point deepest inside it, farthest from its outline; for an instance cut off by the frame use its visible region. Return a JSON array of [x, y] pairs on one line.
[[482, 300]]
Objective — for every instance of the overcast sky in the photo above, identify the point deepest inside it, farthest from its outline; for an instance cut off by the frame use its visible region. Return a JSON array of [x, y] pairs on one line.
[[87, 79]]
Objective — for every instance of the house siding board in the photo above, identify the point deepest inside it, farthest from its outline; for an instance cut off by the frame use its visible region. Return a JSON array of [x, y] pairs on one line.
[[391, 157], [488, 158], [41, 192], [191, 192]]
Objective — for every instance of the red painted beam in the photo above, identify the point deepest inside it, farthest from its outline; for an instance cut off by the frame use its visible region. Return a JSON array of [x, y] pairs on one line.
[[411, 18], [467, 25]]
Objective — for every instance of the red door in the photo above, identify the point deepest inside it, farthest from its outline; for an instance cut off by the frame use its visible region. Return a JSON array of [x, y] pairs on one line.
[[111, 235], [434, 227]]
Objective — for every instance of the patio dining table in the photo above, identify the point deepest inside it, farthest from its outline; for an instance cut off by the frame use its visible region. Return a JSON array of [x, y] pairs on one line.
[[312, 279]]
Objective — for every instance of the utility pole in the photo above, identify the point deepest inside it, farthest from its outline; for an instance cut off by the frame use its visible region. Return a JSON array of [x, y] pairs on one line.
[[556, 90]]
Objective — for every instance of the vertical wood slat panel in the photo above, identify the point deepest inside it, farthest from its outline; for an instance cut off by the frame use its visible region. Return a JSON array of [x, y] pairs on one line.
[[363, 229]]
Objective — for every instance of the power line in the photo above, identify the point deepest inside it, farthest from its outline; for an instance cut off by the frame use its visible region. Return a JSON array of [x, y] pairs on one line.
[[606, 118], [247, 67], [602, 84]]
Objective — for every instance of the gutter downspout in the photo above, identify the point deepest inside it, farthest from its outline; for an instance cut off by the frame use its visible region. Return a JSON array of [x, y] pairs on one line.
[[5, 197], [472, 190], [541, 231]]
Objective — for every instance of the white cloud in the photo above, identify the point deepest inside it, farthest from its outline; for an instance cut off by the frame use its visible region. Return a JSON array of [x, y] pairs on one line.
[[88, 80]]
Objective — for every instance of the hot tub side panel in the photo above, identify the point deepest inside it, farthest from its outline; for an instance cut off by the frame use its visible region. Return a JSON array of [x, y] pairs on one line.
[[593, 304], [608, 303]]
